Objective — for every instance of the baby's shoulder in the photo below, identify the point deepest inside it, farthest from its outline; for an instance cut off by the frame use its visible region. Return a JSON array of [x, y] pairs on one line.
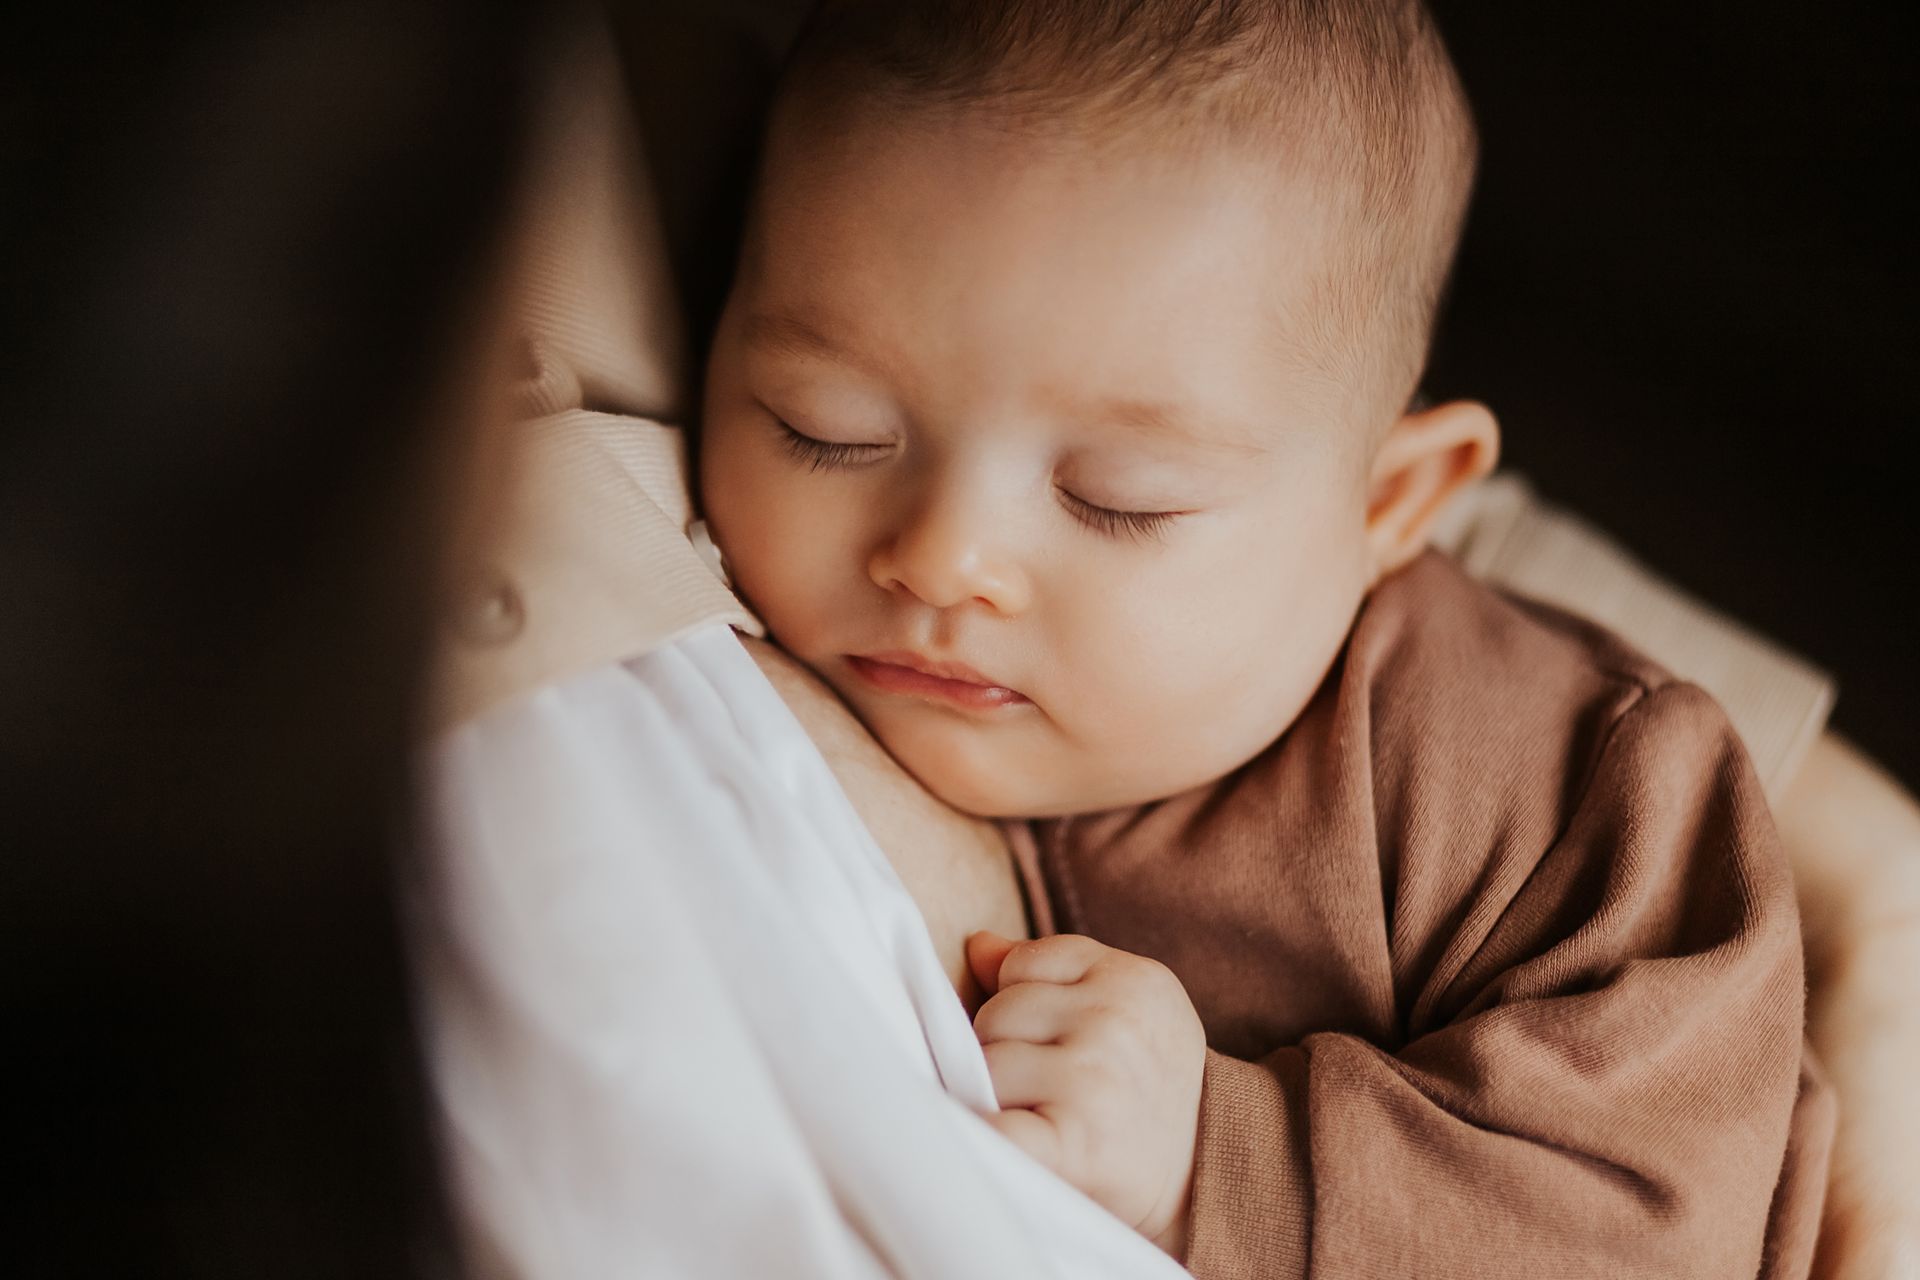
[[1433, 635], [1488, 715], [1529, 771]]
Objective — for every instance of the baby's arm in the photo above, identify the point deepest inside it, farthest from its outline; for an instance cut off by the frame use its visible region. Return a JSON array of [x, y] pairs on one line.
[[1599, 1075]]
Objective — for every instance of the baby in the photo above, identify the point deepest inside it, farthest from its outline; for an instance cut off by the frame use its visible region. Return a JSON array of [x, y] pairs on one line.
[[1062, 417]]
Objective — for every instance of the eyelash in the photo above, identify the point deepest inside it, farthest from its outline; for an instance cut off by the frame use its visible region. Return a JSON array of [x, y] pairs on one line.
[[1132, 525], [821, 455]]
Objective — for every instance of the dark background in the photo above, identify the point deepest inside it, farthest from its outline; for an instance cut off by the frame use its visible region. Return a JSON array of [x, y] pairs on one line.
[[1687, 289]]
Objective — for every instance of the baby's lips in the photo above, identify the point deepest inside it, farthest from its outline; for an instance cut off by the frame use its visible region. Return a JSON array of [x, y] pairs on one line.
[[909, 675]]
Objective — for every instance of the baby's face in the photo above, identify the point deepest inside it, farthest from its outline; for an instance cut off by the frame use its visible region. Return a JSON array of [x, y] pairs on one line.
[[1009, 443]]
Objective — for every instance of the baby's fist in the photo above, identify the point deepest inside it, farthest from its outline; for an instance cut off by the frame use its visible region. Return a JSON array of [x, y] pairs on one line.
[[1097, 1055]]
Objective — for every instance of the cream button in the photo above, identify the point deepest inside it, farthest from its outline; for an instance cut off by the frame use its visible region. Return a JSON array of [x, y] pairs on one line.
[[493, 615]]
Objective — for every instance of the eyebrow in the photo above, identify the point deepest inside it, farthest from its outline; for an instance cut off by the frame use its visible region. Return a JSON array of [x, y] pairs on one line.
[[789, 333], [1152, 417]]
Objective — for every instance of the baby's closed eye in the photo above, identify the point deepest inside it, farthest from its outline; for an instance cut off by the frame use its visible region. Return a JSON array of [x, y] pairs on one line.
[[1115, 523], [821, 455]]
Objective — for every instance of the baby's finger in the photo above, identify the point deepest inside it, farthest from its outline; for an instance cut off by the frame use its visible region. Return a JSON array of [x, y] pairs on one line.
[[985, 950], [1039, 1012], [1033, 1133], [1027, 1075], [1063, 958]]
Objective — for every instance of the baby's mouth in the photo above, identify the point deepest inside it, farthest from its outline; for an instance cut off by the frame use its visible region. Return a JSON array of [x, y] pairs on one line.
[[952, 683]]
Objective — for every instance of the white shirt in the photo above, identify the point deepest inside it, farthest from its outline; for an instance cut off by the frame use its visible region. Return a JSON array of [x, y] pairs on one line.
[[684, 1020]]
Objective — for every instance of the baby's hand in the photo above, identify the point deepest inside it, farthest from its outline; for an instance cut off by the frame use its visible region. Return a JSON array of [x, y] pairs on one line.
[[1098, 1056]]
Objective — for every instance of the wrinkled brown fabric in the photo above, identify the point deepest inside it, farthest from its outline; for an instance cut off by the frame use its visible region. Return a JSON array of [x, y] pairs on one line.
[[1498, 959]]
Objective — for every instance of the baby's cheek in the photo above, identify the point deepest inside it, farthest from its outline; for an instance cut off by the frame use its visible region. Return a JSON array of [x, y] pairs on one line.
[[788, 578], [758, 522], [1189, 689]]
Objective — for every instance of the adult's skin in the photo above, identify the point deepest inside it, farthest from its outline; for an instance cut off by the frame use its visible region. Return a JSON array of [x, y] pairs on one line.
[[1853, 836], [956, 867]]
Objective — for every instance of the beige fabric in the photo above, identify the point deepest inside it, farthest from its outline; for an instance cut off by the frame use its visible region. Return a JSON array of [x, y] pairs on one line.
[[591, 559], [596, 293], [1502, 533], [594, 565]]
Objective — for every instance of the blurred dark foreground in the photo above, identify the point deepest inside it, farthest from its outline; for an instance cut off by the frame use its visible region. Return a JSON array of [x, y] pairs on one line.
[[245, 253]]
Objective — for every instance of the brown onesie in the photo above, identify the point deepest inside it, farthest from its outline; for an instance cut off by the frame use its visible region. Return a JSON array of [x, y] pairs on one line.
[[1498, 959]]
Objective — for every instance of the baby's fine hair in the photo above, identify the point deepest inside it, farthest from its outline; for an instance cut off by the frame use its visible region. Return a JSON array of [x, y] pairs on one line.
[[1359, 96]]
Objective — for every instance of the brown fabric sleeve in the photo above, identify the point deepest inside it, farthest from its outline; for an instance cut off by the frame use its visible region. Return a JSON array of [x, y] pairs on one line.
[[1597, 1079], [1800, 1195], [1250, 1188]]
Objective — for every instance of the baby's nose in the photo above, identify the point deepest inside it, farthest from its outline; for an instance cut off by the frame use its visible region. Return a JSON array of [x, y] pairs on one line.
[[945, 561]]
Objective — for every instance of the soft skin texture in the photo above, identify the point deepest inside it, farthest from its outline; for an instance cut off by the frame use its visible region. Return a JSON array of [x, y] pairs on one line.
[[1854, 836], [926, 437]]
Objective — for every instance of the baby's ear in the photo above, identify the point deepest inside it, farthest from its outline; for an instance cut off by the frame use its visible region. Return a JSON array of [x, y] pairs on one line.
[[1427, 457]]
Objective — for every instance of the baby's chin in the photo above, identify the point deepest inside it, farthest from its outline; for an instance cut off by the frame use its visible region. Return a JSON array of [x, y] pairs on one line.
[[963, 775], [967, 769], [982, 770]]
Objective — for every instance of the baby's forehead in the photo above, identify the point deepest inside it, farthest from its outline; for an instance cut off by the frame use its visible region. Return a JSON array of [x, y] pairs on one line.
[[1054, 183], [940, 236], [1353, 103]]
